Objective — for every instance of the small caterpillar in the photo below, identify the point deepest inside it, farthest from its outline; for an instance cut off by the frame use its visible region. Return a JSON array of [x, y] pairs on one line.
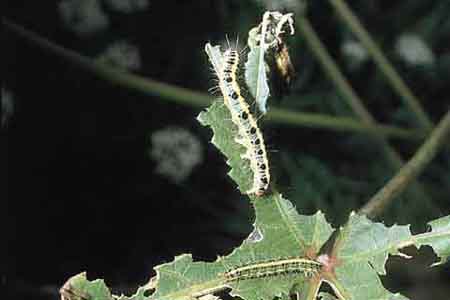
[[287, 266], [249, 134]]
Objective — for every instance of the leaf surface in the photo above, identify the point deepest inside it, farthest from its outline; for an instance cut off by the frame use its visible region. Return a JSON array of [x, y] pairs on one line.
[[438, 238], [359, 250], [280, 233], [358, 255], [256, 77], [362, 249]]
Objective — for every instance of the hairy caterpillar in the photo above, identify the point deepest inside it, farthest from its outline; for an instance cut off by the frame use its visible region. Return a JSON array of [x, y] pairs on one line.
[[286, 266], [249, 134]]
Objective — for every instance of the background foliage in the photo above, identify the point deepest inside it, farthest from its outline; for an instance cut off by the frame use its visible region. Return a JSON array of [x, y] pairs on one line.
[[82, 189]]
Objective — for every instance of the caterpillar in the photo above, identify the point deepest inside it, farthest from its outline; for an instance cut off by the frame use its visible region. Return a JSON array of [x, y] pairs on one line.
[[250, 135], [286, 266]]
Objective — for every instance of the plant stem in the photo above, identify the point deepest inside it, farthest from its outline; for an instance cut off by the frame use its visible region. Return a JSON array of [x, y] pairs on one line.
[[380, 59], [113, 74], [410, 170], [332, 71], [188, 97], [341, 83], [313, 120]]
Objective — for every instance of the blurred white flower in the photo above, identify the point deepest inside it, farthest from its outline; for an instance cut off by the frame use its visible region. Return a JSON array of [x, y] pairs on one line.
[[7, 106], [176, 152], [84, 17], [414, 51], [354, 52], [128, 6], [122, 54]]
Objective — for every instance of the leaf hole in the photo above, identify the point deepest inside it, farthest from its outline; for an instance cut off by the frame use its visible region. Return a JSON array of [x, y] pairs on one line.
[[326, 292], [414, 277], [149, 292]]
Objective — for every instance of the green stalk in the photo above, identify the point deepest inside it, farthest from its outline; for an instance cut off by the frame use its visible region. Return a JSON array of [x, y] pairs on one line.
[[343, 86], [344, 124], [112, 74], [382, 62], [410, 171], [185, 96]]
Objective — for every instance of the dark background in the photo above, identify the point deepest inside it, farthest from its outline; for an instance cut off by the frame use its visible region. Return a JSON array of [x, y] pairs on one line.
[[82, 192]]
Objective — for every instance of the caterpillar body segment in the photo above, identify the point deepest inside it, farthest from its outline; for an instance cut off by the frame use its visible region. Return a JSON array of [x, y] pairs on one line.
[[249, 134], [288, 266]]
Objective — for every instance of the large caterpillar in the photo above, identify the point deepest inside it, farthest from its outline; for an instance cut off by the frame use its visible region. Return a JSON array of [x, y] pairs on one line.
[[288, 266], [249, 134]]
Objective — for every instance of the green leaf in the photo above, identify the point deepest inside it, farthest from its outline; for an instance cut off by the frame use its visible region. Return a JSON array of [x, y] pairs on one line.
[[215, 56], [352, 269], [358, 255], [262, 38], [256, 77], [362, 248], [140, 295], [326, 296], [438, 238], [184, 279], [359, 251], [280, 232], [288, 235], [79, 288], [362, 240], [219, 118]]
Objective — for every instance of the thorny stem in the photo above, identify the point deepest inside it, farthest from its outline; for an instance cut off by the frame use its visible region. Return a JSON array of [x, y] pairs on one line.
[[341, 83], [410, 170], [380, 59], [188, 97]]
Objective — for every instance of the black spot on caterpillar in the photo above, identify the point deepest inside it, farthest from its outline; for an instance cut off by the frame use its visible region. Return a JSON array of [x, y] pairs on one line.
[[288, 266], [250, 135]]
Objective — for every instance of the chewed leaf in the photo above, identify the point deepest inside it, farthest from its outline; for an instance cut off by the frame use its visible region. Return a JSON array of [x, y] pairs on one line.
[[438, 238], [266, 269], [185, 279], [209, 297], [140, 295], [215, 56], [255, 236], [278, 254], [263, 38], [362, 248], [364, 240], [218, 118], [79, 288], [256, 77], [281, 237], [283, 253], [326, 296], [286, 253]]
